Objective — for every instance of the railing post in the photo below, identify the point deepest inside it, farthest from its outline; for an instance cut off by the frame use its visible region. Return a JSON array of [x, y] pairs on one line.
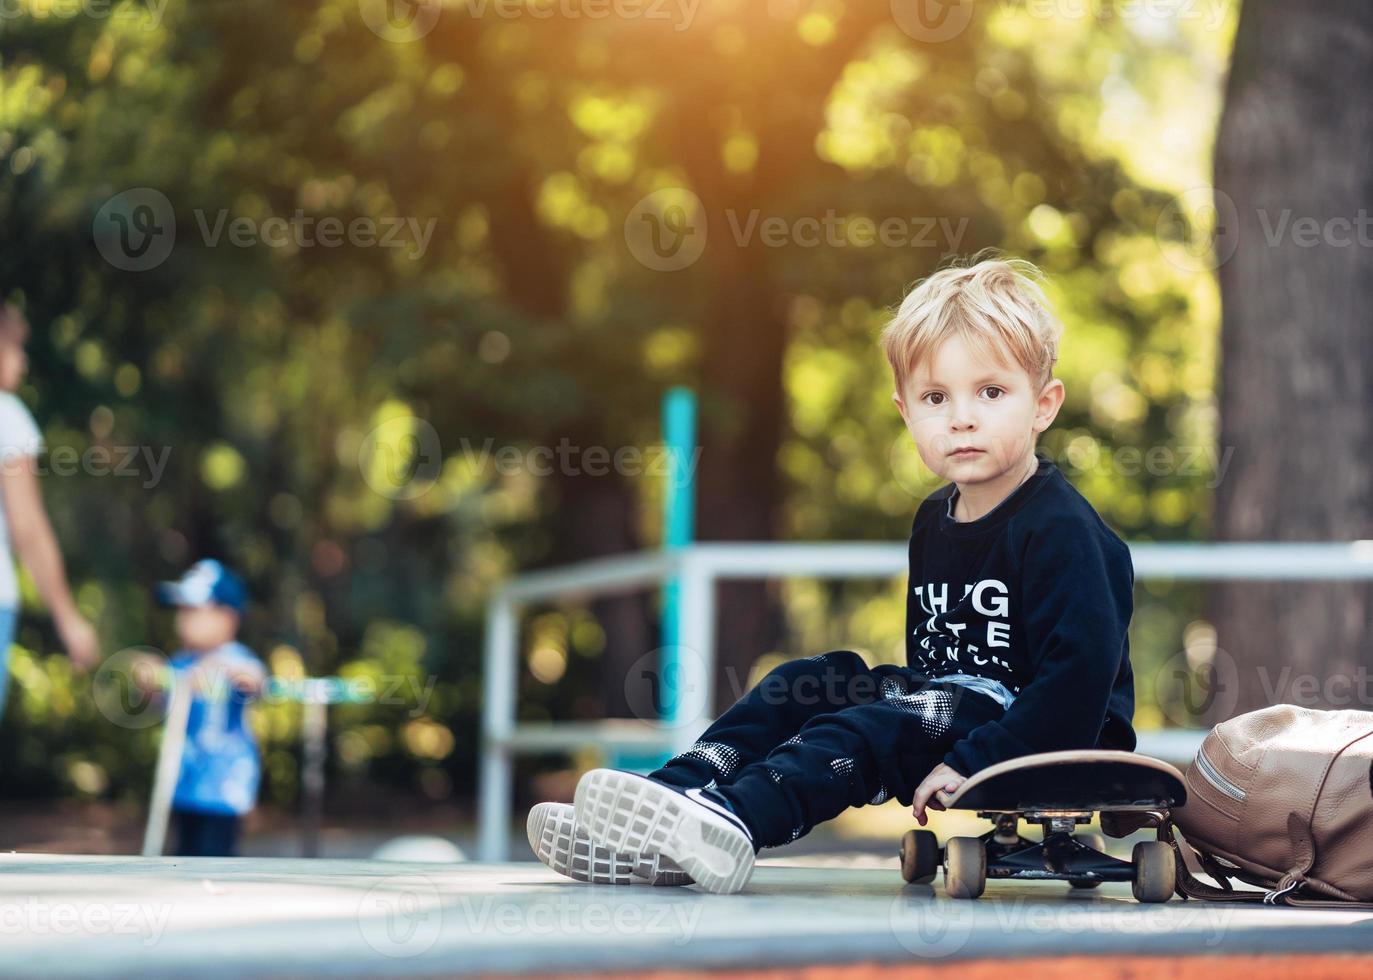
[[498, 722], [696, 662]]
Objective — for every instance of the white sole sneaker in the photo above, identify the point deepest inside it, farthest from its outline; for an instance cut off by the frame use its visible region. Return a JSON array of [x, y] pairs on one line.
[[558, 842], [624, 811]]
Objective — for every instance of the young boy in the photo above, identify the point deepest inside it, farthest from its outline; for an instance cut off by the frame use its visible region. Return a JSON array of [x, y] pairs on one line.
[[219, 767], [1018, 602]]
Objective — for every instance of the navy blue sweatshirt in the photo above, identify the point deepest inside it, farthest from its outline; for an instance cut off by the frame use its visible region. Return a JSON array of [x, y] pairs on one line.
[[1036, 594]]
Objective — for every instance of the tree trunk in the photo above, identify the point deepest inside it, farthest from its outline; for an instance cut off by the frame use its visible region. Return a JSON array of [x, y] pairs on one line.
[[743, 402], [1295, 390], [596, 513]]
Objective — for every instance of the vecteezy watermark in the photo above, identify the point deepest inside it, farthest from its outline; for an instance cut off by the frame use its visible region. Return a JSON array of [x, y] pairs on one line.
[[932, 21], [130, 687], [34, 916], [938, 927], [667, 230], [126, 685], [396, 690], [144, 14], [402, 458], [936, 21], [1158, 461], [402, 21], [1198, 229], [301, 230], [401, 915], [576, 915], [666, 686], [142, 462], [136, 230], [1201, 229], [662, 686], [1205, 464], [1203, 682], [1197, 683], [573, 460]]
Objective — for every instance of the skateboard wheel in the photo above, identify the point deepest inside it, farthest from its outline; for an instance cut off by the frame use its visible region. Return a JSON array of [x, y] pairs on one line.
[[919, 856], [1155, 872], [965, 867]]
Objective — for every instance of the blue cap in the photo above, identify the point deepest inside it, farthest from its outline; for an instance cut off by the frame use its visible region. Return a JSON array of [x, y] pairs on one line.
[[204, 583]]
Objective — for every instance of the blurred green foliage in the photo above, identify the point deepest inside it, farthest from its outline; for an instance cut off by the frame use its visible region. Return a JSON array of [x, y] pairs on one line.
[[288, 383]]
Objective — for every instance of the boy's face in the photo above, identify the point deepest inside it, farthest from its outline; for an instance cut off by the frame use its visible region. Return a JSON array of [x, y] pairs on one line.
[[956, 398], [205, 627]]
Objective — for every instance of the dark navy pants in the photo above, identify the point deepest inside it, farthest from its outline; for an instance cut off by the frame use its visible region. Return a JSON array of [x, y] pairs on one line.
[[205, 834], [817, 736]]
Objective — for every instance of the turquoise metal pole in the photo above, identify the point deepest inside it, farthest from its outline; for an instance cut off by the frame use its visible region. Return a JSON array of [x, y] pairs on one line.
[[679, 528]]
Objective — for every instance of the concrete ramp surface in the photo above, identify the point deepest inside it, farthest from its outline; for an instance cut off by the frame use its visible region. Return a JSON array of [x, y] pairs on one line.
[[90, 916]]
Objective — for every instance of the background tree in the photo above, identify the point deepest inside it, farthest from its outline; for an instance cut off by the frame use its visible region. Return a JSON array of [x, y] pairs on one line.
[[333, 413], [1296, 385]]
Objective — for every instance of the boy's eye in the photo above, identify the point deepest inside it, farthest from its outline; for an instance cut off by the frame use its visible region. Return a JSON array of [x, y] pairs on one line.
[[994, 392]]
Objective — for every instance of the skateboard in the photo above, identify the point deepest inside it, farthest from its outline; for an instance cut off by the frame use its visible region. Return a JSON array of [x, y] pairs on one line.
[[1059, 791]]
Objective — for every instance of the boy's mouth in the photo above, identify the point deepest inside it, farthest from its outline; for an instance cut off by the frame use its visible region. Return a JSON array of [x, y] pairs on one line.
[[965, 452]]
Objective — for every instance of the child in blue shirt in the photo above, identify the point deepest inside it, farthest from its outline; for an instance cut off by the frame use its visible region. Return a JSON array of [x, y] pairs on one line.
[[220, 769]]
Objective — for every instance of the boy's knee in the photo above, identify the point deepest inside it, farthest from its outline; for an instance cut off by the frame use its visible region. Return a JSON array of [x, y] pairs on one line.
[[830, 681], [848, 659]]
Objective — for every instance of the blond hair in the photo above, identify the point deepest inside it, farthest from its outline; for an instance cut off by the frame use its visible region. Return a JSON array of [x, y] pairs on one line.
[[996, 305]]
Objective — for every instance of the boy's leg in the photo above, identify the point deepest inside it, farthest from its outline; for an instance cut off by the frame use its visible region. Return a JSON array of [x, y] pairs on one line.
[[773, 711], [864, 754], [205, 834], [189, 839], [222, 835]]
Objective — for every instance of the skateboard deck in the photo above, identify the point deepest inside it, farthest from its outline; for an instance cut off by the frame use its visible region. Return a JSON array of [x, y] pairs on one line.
[[1059, 791], [1076, 780]]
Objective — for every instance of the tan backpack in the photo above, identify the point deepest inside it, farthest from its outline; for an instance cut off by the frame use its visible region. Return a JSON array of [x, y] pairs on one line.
[[1281, 798]]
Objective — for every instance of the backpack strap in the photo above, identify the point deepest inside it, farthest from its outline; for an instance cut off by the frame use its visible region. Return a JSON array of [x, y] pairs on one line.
[[1189, 885]]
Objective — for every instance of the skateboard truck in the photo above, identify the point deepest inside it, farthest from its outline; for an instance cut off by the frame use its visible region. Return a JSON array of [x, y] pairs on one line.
[[1079, 860]]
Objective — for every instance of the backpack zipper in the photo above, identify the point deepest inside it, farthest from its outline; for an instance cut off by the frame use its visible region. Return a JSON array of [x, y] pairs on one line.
[[1214, 777]]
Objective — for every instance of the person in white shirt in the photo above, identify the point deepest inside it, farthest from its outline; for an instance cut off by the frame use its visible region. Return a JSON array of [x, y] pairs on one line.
[[24, 526]]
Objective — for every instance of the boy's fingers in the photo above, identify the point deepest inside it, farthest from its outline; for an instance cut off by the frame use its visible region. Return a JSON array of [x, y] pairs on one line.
[[918, 804]]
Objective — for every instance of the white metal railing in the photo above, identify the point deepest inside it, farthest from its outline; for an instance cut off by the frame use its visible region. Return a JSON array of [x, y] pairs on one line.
[[698, 567]]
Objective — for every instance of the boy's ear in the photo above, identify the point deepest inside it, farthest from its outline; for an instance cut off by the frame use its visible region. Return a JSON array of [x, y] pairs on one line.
[[1050, 401], [900, 406]]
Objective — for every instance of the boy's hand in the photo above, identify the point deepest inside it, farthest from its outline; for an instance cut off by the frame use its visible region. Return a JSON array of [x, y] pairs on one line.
[[245, 681], [213, 676], [149, 673], [942, 780]]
